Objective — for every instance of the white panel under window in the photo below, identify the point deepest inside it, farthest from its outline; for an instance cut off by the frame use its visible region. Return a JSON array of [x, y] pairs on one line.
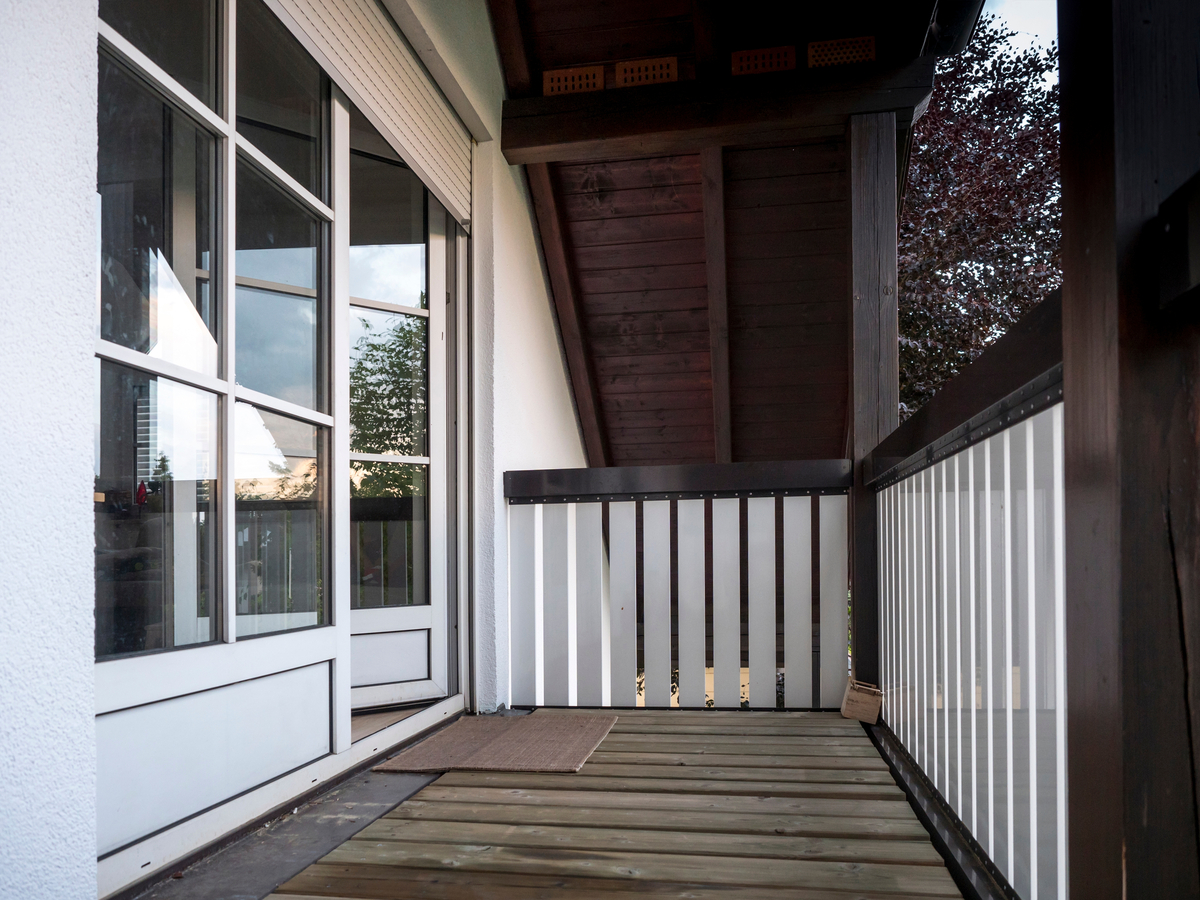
[[163, 762], [360, 48], [388, 658]]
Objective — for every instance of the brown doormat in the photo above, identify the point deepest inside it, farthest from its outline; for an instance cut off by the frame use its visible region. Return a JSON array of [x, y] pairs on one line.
[[506, 744]]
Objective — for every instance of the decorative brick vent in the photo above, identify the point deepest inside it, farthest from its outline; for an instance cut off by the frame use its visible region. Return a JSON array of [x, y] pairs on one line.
[[573, 81], [841, 52], [772, 59], [646, 71]]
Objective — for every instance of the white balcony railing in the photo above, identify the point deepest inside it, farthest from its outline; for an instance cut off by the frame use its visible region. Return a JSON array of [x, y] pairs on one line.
[[702, 586], [971, 623]]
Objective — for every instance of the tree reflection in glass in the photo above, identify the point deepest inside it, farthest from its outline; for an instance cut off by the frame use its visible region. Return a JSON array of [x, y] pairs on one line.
[[388, 386]]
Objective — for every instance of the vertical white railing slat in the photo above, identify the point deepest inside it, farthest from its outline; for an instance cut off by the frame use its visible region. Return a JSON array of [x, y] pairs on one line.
[[656, 593], [622, 555], [589, 600], [760, 555], [727, 625], [797, 601], [522, 588], [835, 576], [690, 544], [555, 617]]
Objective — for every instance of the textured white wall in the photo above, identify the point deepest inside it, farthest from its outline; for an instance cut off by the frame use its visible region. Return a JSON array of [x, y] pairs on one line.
[[47, 310], [524, 412]]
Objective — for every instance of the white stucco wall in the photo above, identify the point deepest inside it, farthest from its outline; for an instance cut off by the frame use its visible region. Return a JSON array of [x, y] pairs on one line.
[[47, 311], [524, 412]]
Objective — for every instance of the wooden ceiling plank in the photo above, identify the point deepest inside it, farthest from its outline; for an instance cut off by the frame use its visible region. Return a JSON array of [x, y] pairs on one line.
[[685, 117], [628, 174], [634, 229], [712, 169]]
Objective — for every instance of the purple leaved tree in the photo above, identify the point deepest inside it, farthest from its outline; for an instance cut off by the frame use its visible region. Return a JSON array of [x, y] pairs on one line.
[[981, 224]]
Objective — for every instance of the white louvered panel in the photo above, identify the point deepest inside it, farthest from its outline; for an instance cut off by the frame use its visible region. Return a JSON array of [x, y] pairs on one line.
[[359, 47]]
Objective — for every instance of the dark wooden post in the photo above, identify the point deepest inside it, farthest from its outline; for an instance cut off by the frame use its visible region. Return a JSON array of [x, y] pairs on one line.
[[712, 169], [1131, 379], [874, 363]]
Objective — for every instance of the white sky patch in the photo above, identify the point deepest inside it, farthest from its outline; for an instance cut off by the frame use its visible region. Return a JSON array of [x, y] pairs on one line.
[[1035, 21]]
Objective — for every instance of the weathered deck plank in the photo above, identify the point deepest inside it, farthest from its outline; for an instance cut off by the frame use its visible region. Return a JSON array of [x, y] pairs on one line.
[[697, 804], [740, 773], [648, 782], [666, 820], [654, 841]]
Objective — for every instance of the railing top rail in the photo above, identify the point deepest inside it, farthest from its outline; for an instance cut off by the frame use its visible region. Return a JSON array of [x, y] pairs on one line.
[[810, 476], [1014, 378]]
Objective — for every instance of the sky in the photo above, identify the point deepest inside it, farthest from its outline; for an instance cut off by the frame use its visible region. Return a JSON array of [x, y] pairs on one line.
[[1035, 21]]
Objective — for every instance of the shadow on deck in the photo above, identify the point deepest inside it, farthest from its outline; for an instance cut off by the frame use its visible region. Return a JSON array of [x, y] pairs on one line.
[[671, 804]]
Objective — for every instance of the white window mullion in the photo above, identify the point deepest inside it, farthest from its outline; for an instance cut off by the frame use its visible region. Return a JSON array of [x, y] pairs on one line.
[[339, 467], [228, 242], [283, 407]]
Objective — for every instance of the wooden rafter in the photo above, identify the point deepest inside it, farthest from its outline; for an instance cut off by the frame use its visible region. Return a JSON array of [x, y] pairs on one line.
[[547, 208], [570, 318], [712, 169]]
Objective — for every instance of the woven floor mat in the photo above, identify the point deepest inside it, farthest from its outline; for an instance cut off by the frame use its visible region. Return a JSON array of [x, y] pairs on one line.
[[506, 744]]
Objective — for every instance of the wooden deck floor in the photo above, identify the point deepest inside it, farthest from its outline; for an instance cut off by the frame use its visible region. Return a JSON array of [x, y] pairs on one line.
[[672, 804]]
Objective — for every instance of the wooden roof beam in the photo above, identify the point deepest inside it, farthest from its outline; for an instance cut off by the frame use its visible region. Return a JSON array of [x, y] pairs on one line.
[[686, 117]]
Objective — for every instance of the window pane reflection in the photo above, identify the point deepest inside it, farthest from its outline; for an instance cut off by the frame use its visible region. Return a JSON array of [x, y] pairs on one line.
[[154, 501], [276, 237], [281, 94], [278, 331], [388, 390], [389, 549], [280, 523], [180, 36], [387, 222], [155, 189]]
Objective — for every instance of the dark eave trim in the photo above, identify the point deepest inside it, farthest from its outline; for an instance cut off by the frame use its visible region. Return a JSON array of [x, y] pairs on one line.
[[687, 116]]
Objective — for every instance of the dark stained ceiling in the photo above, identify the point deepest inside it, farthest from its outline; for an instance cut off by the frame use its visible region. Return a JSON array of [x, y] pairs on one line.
[[697, 231]]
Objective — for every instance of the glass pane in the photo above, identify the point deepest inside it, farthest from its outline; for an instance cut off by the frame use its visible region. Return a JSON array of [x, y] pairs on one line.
[[276, 236], [281, 94], [389, 535], [278, 483], [154, 501], [180, 36], [387, 222], [156, 195], [278, 332], [388, 390]]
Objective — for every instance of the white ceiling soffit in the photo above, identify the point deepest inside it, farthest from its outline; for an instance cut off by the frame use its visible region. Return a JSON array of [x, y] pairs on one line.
[[359, 47]]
